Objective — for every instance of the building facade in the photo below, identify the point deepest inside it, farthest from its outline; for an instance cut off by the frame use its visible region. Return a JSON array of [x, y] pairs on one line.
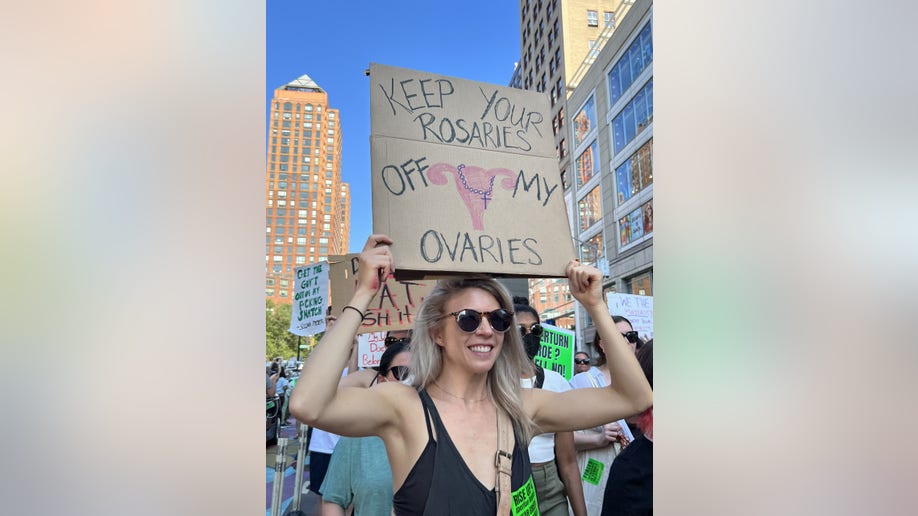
[[307, 206], [559, 41], [610, 193]]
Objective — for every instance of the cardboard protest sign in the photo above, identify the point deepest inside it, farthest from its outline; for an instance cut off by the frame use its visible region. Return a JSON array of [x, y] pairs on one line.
[[465, 177], [557, 350], [637, 309], [310, 297], [370, 347], [394, 306]]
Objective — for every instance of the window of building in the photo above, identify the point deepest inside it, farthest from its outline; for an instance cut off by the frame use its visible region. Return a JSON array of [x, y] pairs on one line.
[[634, 60], [589, 209], [635, 174], [592, 249], [641, 285], [307, 107], [594, 50], [608, 19], [584, 121], [587, 164], [562, 149], [592, 18], [636, 225], [633, 119]]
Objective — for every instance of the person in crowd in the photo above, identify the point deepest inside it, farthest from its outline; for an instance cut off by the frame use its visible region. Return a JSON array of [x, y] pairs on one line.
[[271, 375], [581, 362], [629, 490], [280, 388], [322, 443], [634, 341], [359, 472], [442, 431], [598, 446], [552, 455], [627, 330], [365, 377]]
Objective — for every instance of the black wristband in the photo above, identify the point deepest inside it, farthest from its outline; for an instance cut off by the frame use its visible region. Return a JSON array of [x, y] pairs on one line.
[[354, 309]]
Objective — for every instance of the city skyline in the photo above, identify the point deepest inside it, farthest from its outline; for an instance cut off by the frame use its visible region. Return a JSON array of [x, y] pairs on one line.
[[334, 43]]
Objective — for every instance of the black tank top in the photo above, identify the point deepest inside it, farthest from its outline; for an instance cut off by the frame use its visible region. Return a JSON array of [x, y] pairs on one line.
[[440, 483]]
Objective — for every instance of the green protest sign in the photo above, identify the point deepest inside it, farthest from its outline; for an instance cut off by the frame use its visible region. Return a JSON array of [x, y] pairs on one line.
[[557, 351]]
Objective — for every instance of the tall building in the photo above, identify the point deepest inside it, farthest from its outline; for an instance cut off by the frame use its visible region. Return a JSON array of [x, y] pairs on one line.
[[307, 206], [610, 127], [559, 40]]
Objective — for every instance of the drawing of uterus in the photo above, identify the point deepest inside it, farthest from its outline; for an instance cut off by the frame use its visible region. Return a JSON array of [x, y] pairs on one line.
[[474, 184]]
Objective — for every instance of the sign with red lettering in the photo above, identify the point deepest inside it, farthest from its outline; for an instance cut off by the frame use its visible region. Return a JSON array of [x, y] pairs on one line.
[[370, 347], [465, 177], [393, 307]]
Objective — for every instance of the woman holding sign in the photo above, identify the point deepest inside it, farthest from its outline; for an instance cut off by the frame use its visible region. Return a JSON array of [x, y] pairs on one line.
[[459, 432]]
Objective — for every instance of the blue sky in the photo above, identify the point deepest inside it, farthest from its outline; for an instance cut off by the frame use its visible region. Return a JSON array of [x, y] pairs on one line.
[[334, 42]]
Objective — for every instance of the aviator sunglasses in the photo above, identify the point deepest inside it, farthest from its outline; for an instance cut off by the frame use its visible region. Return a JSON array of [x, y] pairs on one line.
[[469, 320], [535, 329], [583, 361]]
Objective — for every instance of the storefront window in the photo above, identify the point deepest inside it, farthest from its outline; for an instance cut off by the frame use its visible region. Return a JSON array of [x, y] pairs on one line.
[[641, 285]]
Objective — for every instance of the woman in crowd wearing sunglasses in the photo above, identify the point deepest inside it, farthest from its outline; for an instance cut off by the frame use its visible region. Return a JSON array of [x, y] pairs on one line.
[[602, 443], [441, 432], [359, 472], [552, 455]]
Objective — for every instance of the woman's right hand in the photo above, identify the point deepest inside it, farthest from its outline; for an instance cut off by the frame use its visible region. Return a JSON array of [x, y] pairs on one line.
[[375, 264]]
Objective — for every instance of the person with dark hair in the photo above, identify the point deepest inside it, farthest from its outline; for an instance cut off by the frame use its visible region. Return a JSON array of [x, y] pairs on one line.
[[280, 388], [552, 455], [456, 435], [629, 490], [597, 447], [624, 326], [581, 362], [359, 471]]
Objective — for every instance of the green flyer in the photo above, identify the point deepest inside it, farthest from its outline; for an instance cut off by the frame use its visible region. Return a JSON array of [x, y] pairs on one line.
[[592, 473]]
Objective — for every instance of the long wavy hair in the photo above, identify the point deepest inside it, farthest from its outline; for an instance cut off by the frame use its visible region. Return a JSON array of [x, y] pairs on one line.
[[511, 363]]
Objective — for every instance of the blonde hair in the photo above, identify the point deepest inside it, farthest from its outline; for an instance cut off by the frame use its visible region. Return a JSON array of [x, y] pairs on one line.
[[511, 363]]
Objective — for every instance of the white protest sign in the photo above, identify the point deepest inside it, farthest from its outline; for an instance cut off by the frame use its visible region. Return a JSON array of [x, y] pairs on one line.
[[370, 347], [310, 297], [637, 309]]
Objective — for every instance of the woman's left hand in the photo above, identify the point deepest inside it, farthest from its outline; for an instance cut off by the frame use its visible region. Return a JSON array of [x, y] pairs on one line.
[[585, 283]]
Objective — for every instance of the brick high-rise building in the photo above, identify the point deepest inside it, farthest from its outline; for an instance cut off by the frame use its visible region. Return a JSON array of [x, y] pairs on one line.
[[307, 204], [559, 40]]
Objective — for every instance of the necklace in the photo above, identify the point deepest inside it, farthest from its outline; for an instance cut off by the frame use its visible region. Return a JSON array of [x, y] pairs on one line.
[[458, 397], [485, 194]]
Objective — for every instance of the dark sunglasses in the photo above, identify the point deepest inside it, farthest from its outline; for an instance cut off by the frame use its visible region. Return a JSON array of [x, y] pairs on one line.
[[536, 329], [632, 336], [400, 372], [469, 320], [582, 361], [396, 340]]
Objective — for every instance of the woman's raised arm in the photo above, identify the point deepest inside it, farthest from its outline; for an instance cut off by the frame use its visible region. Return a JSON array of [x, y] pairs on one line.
[[627, 395], [316, 400]]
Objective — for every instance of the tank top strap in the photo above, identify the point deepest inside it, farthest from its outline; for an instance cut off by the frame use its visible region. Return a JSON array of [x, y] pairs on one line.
[[427, 403]]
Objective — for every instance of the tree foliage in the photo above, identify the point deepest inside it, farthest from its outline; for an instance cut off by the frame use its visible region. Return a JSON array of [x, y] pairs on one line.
[[278, 341]]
